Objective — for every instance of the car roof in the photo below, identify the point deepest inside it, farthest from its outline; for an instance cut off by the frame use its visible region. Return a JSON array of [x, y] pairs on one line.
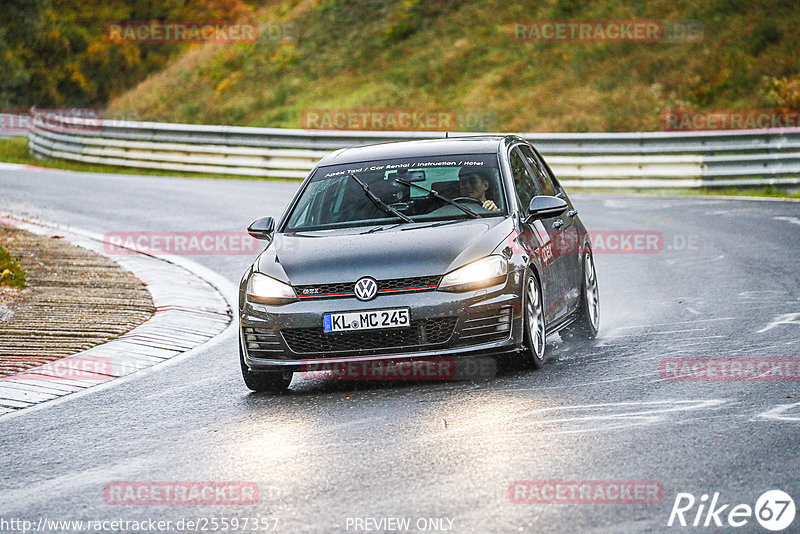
[[487, 144]]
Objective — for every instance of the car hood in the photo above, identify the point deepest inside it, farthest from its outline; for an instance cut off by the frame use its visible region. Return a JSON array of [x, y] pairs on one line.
[[407, 250]]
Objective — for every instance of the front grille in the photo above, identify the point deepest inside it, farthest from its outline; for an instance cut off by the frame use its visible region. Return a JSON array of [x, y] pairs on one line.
[[345, 289], [486, 325], [421, 334], [407, 284], [262, 342]]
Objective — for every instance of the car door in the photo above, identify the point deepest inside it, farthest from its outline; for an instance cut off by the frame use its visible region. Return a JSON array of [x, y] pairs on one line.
[[566, 246], [538, 237]]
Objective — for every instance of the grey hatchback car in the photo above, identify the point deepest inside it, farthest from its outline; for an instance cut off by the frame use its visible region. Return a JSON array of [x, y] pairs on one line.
[[413, 251]]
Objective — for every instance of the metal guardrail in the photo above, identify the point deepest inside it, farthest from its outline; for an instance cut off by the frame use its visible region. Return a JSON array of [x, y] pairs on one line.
[[649, 159]]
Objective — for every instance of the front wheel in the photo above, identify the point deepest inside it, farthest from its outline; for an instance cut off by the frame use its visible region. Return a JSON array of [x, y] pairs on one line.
[[586, 325], [535, 334], [270, 381]]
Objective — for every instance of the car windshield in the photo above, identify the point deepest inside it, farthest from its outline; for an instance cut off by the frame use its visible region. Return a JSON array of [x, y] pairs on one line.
[[394, 191]]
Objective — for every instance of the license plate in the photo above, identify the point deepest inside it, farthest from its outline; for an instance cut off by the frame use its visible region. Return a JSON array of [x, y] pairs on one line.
[[366, 320]]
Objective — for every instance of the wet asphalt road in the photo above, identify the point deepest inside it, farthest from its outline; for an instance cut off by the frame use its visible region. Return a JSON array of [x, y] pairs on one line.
[[724, 285]]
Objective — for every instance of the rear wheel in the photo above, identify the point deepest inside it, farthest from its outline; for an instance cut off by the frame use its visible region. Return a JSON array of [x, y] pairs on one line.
[[535, 334], [586, 325], [269, 381]]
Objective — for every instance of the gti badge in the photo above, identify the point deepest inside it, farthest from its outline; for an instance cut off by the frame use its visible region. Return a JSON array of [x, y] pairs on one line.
[[366, 288]]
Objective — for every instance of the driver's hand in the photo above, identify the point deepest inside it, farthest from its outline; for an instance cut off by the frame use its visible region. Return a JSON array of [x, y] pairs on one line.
[[490, 205]]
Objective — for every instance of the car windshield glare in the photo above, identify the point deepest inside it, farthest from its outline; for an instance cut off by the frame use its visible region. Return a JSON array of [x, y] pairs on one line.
[[334, 199]]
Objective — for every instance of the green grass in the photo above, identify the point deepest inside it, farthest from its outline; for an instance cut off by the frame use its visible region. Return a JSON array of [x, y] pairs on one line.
[[750, 191], [11, 274], [761, 191], [15, 150]]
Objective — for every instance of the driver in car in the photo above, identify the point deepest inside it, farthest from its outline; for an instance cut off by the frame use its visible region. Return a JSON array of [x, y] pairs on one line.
[[474, 183]]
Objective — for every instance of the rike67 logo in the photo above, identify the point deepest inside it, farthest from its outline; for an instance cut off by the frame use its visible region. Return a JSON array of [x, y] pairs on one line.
[[774, 510]]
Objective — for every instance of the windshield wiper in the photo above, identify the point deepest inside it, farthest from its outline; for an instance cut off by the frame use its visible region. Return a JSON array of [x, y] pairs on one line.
[[378, 202], [379, 228], [434, 194]]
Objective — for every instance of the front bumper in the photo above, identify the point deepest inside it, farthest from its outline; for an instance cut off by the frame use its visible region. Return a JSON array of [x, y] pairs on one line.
[[442, 324]]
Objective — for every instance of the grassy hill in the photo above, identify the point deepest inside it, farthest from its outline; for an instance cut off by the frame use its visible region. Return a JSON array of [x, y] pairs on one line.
[[56, 53], [459, 56]]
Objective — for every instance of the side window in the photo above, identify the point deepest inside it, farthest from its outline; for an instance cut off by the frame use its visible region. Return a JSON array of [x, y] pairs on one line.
[[523, 181], [543, 181]]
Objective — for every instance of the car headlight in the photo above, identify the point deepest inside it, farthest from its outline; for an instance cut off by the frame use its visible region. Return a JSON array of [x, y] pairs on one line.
[[266, 290], [485, 272]]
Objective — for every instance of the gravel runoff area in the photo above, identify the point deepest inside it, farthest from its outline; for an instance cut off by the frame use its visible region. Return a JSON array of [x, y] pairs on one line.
[[185, 306], [75, 299]]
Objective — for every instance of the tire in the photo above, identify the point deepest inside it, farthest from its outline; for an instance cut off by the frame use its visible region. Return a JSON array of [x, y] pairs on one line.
[[533, 323], [264, 382], [588, 321]]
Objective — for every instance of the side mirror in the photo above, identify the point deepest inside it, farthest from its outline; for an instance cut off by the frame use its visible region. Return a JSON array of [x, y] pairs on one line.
[[262, 228], [542, 207]]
